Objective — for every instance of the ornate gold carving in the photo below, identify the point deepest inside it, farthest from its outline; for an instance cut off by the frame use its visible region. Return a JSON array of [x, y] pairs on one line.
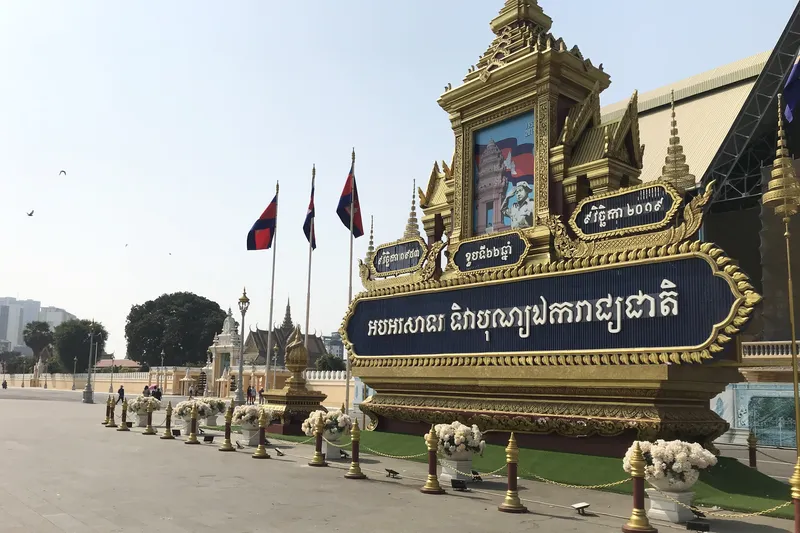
[[371, 264], [454, 250], [668, 216], [420, 275], [542, 159], [745, 300], [569, 419], [692, 218]]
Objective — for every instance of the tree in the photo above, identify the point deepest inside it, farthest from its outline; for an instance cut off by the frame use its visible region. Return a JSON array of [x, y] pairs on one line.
[[182, 324], [330, 362], [72, 338], [37, 336]]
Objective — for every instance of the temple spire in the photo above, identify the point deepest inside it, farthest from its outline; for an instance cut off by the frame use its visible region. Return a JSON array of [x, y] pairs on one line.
[[675, 170], [412, 226], [371, 247], [521, 12], [287, 318], [783, 190]]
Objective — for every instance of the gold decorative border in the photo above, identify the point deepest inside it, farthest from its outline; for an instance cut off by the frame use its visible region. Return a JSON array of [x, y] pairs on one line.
[[676, 203], [518, 263], [745, 301], [423, 255], [464, 194]]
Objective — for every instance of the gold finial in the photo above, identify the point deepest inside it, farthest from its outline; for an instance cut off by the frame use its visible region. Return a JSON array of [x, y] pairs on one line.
[[412, 226], [353, 155], [371, 247], [675, 170], [521, 11], [783, 190]]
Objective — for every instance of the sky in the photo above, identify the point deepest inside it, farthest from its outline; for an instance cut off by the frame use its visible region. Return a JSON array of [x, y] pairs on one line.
[[174, 120]]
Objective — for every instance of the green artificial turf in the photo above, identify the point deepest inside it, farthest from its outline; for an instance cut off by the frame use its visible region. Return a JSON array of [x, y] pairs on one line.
[[730, 484]]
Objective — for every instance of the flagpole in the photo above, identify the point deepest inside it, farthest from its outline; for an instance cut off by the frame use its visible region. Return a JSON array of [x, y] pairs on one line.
[[310, 250], [271, 292], [350, 280]]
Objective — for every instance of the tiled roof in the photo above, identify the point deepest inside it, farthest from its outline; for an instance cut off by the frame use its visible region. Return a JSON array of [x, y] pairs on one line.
[[705, 105]]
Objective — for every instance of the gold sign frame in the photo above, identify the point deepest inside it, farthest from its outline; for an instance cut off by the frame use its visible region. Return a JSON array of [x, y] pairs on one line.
[[745, 299], [422, 257], [644, 228], [520, 233]]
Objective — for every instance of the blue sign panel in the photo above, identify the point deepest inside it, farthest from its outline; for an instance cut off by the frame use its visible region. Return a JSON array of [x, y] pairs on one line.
[[667, 304], [638, 210], [490, 252], [397, 258]]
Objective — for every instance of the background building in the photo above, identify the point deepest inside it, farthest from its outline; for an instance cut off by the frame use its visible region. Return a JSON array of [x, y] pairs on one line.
[[14, 316], [54, 316], [333, 344]]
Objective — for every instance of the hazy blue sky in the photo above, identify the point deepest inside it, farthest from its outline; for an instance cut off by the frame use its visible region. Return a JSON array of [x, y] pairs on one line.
[[174, 119]]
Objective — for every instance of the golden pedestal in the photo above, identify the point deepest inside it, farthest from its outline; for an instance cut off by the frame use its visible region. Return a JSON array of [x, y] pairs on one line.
[[294, 402]]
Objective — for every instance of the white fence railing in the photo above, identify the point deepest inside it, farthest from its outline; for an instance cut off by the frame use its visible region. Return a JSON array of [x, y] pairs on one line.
[[767, 349], [325, 375]]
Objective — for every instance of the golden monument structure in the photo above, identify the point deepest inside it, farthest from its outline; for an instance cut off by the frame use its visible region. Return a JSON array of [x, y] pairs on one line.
[[571, 299], [294, 402]]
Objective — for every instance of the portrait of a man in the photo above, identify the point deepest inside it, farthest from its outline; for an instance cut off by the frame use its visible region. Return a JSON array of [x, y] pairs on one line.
[[518, 205]]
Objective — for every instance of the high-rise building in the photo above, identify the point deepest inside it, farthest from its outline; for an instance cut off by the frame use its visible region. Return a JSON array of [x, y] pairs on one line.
[[14, 315], [333, 344], [54, 316]]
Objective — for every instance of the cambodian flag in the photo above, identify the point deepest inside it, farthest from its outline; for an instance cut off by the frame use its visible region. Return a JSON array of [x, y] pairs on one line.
[[308, 225], [350, 197], [263, 231], [791, 90]]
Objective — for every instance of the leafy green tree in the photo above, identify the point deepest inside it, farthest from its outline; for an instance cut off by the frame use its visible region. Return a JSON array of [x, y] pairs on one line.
[[182, 324], [72, 338], [37, 336], [15, 362], [330, 362]]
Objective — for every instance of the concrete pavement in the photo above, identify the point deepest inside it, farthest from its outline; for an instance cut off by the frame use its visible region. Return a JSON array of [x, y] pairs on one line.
[[62, 472]]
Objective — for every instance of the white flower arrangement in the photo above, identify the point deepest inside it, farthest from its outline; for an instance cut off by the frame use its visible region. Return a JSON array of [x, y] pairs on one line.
[[140, 404], [250, 414], [678, 461], [458, 437], [184, 409], [335, 422], [217, 405]]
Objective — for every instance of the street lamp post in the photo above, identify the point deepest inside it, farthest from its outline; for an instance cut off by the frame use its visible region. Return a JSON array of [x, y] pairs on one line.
[[111, 385], [88, 393], [74, 370], [163, 372], [783, 196], [244, 304], [275, 364]]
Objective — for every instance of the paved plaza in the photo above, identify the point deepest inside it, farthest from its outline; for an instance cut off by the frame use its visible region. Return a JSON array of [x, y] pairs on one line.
[[62, 471]]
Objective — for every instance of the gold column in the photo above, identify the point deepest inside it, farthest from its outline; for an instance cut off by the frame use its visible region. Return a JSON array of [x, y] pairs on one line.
[[227, 445], [193, 427], [261, 451], [432, 482], [319, 429], [149, 429], [638, 522], [168, 424], [783, 196], [355, 468], [512, 503]]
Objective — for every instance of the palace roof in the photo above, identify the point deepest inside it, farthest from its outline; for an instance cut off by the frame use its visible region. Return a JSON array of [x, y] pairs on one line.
[[706, 106]]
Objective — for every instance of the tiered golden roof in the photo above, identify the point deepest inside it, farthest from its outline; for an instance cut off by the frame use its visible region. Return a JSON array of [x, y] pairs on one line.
[[783, 190], [412, 225], [675, 170]]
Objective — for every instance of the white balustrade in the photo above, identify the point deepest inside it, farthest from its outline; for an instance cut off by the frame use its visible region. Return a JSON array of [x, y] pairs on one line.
[[765, 349]]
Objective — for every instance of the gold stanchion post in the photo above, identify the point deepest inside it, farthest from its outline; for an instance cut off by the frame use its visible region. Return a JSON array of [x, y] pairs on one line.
[[123, 426], [149, 429], [752, 442], [432, 482], [355, 468], [168, 424], [112, 423], [193, 427], [318, 459], [638, 522], [261, 451], [227, 445], [108, 410], [783, 196], [512, 503]]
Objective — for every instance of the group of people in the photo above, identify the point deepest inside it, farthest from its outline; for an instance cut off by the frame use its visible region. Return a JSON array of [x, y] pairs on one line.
[[251, 394], [155, 392]]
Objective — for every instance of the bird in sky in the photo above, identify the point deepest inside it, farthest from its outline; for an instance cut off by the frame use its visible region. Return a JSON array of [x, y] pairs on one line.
[[31, 213], [63, 172]]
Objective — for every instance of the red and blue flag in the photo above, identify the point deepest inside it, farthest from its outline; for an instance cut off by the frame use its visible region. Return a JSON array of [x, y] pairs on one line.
[[308, 225], [262, 233], [349, 198]]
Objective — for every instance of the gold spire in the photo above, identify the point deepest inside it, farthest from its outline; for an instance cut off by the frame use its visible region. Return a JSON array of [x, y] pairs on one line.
[[521, 11], [412, 226], [371, 247], [676, 171], [783, 190]]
